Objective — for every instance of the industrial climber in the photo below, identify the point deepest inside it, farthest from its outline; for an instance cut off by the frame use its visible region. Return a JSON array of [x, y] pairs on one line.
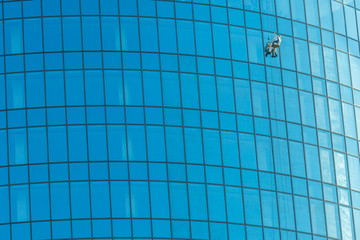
[[271, 47]]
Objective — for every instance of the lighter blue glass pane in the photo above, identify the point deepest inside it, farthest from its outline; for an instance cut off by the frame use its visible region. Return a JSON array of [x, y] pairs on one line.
[[97, 143], [5, 206], [302, 56], [247, 151], [40, 205], [19, 197], [174, 144], [178, 201], [52, 34], [254, 40], [317, 65], [110, 33], [312, 162], [71, 33], [207, 92], [251, 5], [264, 153], [335, 116], [17, 140], [322, 114], [243, 96], [260, 103], [325, 14], [338, 15], [13, 36], [80, 202], [312, 14], [212, 151], [238, 43], [129, 34], [297, 159], [351, 30], [15, 89], [33, 35], [276, 102], [221, 41], [347, 227], [330, 64], [189, 91], [292, 105], [37, 145], [132, 89], [140, 206], [302, 214], [317, 217], [341, 169], [280, 150], [77, 143], [354, 169], [197, 202], [204, 45], [307, 109], [100, 200], [283, 8], [136, 143], [60, 201], [269, 209], [357, 222], [332, 220], [167, 35], [234, 205], [148, 35], [216, 203], [113, 87], [349, 120], [286, 211], [185, 32], [327, 166], [193, 145], [252, 206], [55, 88], [343, 65], [287, 53], [268, 6], [120, 200], [297, 10]]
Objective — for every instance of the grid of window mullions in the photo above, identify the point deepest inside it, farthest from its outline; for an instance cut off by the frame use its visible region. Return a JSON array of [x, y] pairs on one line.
[[184, 142]]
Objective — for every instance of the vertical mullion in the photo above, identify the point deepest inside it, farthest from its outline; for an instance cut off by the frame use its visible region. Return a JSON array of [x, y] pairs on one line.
[[26, 119], [163, 119], [273, 154], [145, 126], [7, 122], [316, 127], [236, 115], [66, 127], [106, 124], [253, 120], [340, 100], [302, 127], [45, 101], [86, 120], [182, 116], [125, 125], [343, 125], [201, 123]]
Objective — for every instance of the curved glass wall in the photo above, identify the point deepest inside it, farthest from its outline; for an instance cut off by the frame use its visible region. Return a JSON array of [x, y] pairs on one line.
[[154, 119]]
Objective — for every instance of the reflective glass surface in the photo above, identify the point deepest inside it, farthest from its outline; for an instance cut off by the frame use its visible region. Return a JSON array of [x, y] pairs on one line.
[[162, 119]]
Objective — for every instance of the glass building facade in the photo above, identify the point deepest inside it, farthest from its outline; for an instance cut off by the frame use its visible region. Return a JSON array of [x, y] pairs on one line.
[[162, 119]]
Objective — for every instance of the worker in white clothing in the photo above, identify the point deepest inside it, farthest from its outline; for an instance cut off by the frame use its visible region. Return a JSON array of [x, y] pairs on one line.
[[271, 47]]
